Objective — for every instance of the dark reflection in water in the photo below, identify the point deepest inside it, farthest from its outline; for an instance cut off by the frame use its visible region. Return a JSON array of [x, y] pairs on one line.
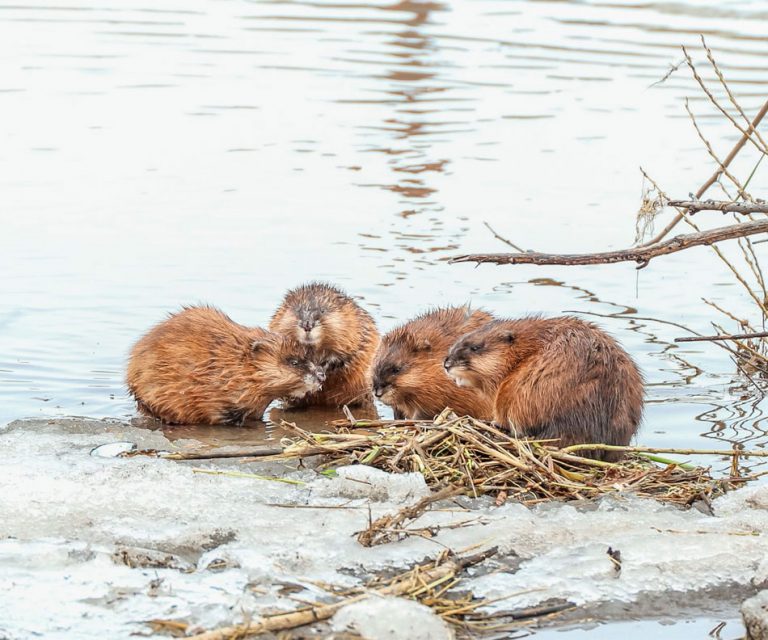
[[315, 418], [413, 89], [256, 432]]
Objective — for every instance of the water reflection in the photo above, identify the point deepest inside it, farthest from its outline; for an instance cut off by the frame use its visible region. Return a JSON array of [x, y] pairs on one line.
[[414, 91], [272, 430]]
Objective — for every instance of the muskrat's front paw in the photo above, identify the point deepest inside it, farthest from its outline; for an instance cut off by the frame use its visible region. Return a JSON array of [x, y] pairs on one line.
[[334, 363]]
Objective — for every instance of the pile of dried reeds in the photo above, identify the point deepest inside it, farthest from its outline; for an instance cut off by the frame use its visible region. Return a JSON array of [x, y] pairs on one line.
[[478, 458]]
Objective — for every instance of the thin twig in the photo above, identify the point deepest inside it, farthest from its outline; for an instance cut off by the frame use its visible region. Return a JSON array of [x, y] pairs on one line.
[[762, 147], [668, 74], [731, 336], [629, 317], [503, 239], [712, 98]]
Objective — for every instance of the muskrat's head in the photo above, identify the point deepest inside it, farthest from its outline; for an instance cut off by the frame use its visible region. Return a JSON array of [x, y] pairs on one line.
[[398, 369], [290, 367], [314, 315], [481, 358]]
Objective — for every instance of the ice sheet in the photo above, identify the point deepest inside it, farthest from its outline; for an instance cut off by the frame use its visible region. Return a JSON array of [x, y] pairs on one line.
[[68, 516]]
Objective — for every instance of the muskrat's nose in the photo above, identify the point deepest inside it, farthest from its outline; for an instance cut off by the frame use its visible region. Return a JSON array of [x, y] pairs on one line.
[[378, 391], [448, 363], [320, 375]]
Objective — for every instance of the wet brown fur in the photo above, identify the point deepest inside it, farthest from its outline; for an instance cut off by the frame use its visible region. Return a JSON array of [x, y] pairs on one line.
[[408, 370], [345, 339], [557, 378], [200, 367]]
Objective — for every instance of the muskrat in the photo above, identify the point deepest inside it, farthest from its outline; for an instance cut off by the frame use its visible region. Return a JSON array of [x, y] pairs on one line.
[[200, 367], [553, 378], [408, 371], [341, 335]]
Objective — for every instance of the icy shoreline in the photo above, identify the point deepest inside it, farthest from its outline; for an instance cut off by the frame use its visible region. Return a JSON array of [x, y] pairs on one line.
[[70, 522]]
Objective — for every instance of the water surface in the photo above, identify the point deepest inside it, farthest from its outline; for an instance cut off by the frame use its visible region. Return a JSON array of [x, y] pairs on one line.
[[158, 154]]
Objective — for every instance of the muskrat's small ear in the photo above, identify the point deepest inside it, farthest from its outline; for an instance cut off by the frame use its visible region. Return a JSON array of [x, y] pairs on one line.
[[258, 344], [423, 345], [509, 337]]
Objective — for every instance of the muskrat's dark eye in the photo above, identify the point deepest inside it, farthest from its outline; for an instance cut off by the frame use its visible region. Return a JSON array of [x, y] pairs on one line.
[[394, 370], [294, 362], [475, 348]]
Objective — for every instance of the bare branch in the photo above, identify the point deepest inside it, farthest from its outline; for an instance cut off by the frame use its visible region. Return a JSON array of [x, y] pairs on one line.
[[642, 255], [744, 208]]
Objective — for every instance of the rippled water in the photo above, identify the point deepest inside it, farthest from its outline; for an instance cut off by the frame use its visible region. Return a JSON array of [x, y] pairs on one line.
[[155, 154]]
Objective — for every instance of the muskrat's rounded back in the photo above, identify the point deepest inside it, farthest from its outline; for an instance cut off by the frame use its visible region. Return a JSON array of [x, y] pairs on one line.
[[554, 378], [340, 332], [201, 367], [408, 369]]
